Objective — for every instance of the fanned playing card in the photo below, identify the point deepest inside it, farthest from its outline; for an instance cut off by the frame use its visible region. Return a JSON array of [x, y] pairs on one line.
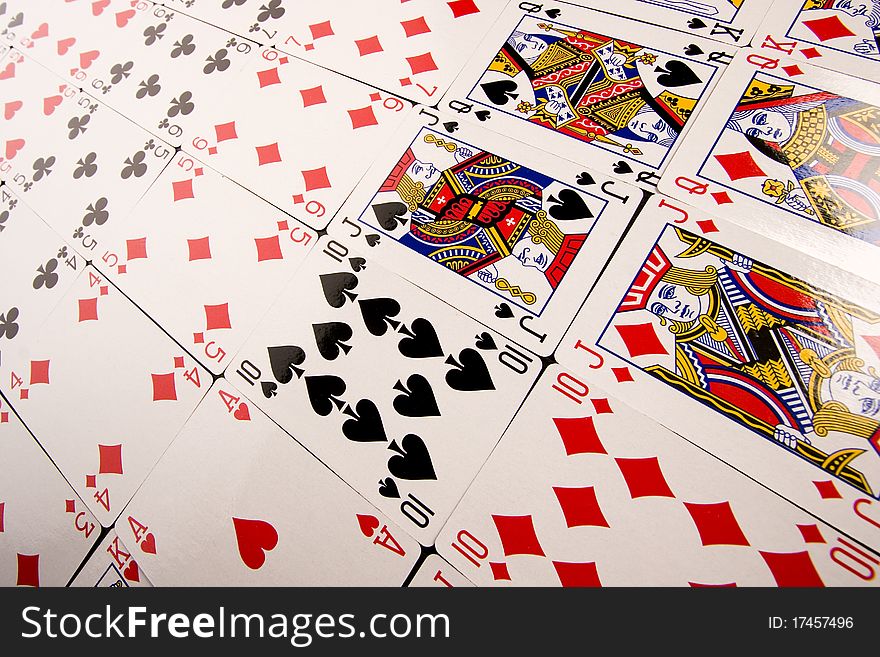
[[400, 394], [604, 496], [170, 73], [413, 49], [843, 35], [296, 134], [730, 21], [500, 230], [205, 258], [37, 106], [269, 512], [73, 38], [33, 97], [45, 529], [589, 87], [104, 390], [303, 293], [764, 357], [258, 20], [37, 267], [791, 152], [111, 566], [78, 164]]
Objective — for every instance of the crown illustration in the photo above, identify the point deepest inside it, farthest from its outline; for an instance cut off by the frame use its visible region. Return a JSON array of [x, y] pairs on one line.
[[647, 279], [765, 94], [411, 192], [398, 172]]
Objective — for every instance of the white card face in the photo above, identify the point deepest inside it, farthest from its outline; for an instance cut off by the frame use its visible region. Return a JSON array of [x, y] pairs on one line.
[[761, 356], [792, 154], [29, 93], [499, 230], [37, 105], [434, 572], [37, 267], [413, 49], [604, 496], [590, 87], [78, 164], [170, 73], [111, 565], [836, 34], [259, 20], [206, 258], [384, 384], [45, 529], [269, 513], [73, 38], [9, 15], [289, 132], [730, 21], [104, 390]]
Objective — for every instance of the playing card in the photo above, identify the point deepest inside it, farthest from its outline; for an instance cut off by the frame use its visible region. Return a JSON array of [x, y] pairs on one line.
[[764, 357], [383, 383], [291, 132], [45, 529], [790, 152], [258, 20], [111, 566], [37, 268], [501, 231], [11, 18], [37, 104], [436, 571], [589, 87], [413, 49], [75, 162], [205, 258], [74, 37], [167, 75], [269, 513], [583, 490], [9, 15], [837, 34], [730, 21], [104, 391]]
